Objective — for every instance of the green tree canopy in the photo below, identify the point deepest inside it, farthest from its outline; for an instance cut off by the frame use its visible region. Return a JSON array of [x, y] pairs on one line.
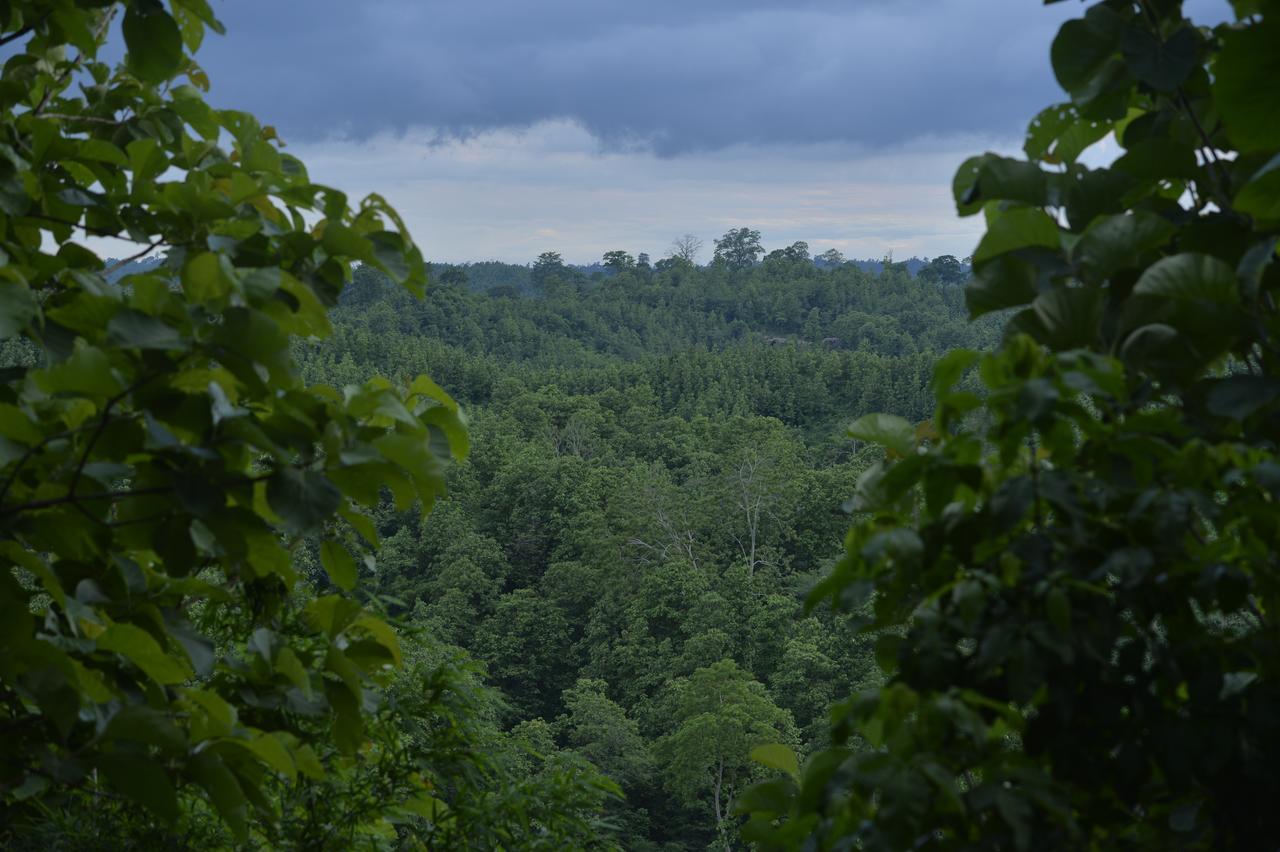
[[1074, 577], [720, 713], [739, 248]]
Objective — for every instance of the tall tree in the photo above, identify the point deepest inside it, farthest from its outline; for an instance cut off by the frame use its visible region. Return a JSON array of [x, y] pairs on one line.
[[739, 248], [944, 269], [720, 713], [619, 261]]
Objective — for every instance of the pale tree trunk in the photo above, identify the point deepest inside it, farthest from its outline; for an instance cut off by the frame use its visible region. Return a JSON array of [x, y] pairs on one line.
[[720, 826]]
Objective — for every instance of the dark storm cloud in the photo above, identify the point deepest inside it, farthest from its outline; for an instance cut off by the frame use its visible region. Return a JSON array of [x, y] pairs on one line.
[[677, 75]]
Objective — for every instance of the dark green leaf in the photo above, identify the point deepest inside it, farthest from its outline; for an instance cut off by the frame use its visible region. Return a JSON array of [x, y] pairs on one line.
[[1244, 75], [302, 498], [134, 328], [1163, 64], [154, 41], [143, 780], [1189, 276], [338, 564], [17, 308]]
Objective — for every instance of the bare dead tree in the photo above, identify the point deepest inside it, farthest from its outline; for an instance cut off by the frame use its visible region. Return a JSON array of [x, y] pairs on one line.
[[686, 247]]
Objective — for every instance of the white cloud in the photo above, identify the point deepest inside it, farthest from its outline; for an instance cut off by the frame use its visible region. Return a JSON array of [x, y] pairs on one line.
[[511, 194]]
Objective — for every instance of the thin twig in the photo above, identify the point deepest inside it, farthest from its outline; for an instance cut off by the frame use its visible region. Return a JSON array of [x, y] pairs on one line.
[[102, 424], [77, 498], [120, 264], [88, 229], [14, 36], [94, 119], [17, 34]]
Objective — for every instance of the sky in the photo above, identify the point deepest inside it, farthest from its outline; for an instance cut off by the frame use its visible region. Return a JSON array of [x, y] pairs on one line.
[[504, 128]]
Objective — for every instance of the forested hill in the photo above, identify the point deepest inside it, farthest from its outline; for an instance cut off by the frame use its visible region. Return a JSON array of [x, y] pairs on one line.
[[783, 339], [657, 474]]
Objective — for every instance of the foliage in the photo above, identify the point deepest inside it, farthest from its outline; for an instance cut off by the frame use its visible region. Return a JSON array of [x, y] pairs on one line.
[[628, 448], [739, 248], [1074, 576], [720, 714], [167, 478]]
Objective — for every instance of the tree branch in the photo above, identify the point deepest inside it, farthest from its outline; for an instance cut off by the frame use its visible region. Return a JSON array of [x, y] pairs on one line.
[[120, 264], [29, 28]]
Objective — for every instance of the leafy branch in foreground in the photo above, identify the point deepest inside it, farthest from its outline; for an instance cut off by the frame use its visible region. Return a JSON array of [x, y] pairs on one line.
[[1074, 577], [161, 462]]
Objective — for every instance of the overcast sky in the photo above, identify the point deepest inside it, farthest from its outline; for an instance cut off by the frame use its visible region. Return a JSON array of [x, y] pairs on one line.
[[503, 128]]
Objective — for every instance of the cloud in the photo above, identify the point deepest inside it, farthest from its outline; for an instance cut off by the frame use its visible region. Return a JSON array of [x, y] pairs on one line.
[[673, 76], [509, 194]]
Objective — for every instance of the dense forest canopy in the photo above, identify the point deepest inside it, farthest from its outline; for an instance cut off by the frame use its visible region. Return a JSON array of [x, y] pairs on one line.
[[594, 584]]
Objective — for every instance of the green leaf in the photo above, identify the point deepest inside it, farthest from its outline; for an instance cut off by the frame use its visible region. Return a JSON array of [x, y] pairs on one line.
[[1017, 228], [224, 790], [1005, 179], [144, 781], [140, 648], [1189, 276], [154, 41], [302, 498], [887, 647], [348, 727], [17, 308], [1006, 282], [1059, 608], [88, 371], [777, 756], [890, 431], [1082, 47], [1161, 63], [208, 277], [1237, 397], [1059, 134], [1070, 315], [1244, 85], [951, 367], [1260, 197], [338, 564], [271, 751], [1112, 243], [130, 328], [142, 724]]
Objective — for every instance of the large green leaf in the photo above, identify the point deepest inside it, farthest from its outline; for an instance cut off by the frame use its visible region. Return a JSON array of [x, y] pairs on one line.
[[1162, 63], [1083, 45], [17, 308], [1244, 85], [1189, 276], [338, 564], [777, 756], [134, 328], [1017, 228], [302, 498], [154, 41], [1070, 316], [1006, 179], [1260, 197], [140, 648], [1117, 242], [890, 431], [144, 781]]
